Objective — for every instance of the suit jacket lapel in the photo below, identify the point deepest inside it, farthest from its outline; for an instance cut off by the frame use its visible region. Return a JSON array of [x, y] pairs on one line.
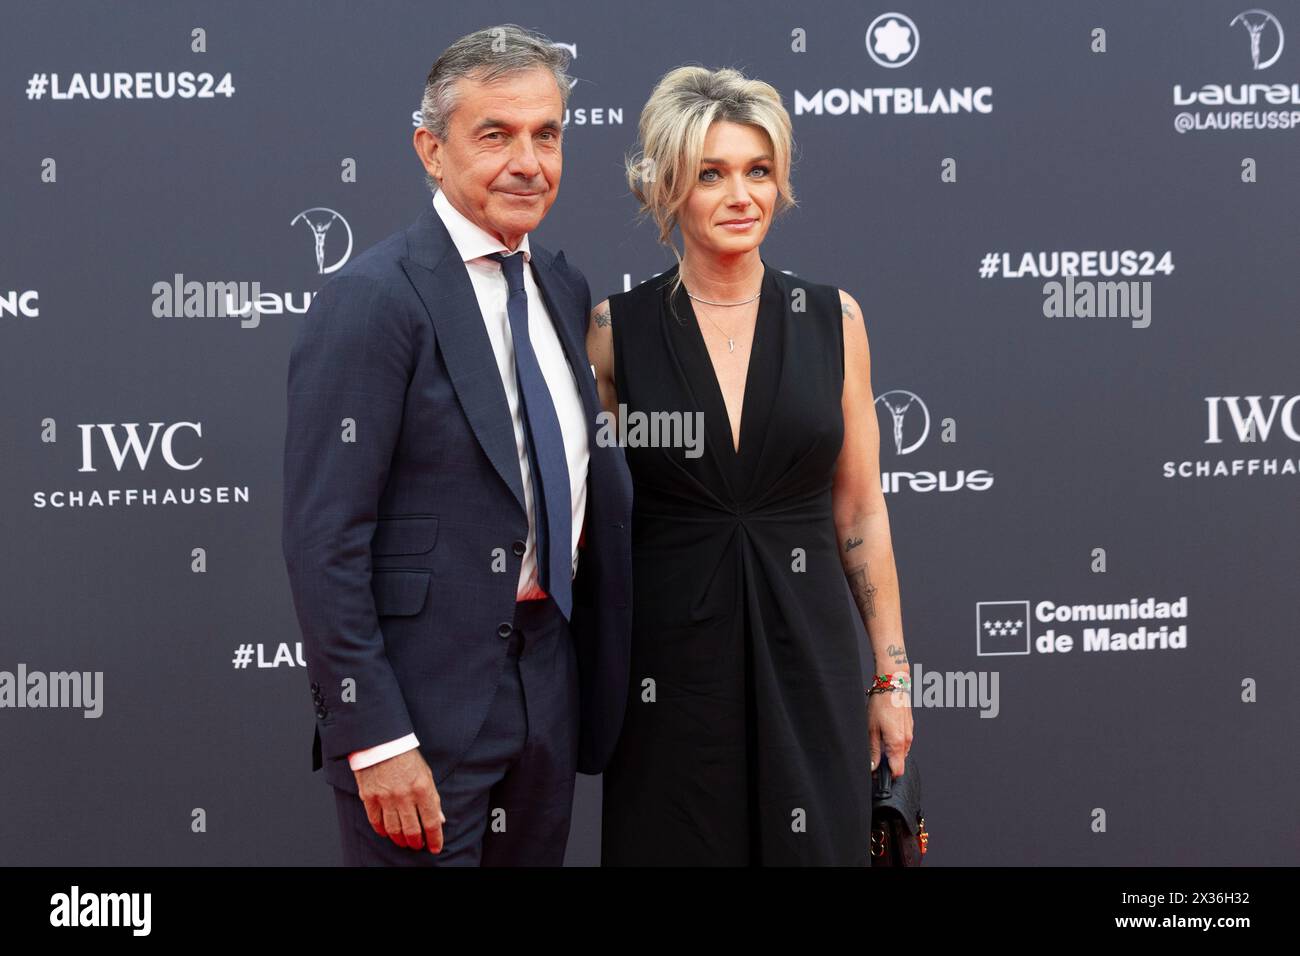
[[439, 276], [444, 286]]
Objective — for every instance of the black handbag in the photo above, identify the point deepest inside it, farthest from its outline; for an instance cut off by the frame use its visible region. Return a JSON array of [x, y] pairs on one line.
[[898, 836]]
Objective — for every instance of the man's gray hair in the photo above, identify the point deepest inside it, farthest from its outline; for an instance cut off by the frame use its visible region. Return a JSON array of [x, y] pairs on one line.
[[483, 56]]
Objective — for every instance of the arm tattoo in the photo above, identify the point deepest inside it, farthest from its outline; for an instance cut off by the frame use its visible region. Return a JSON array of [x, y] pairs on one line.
[[847, 310], [851, 543], [602, 318], [864, 592], [899, 654]]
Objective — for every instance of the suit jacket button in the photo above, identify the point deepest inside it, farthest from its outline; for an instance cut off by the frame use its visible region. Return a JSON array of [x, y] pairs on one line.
[[504, 630], [519, 548]]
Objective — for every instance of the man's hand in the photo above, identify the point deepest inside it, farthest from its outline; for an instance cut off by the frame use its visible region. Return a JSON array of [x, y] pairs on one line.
[[402, 801]]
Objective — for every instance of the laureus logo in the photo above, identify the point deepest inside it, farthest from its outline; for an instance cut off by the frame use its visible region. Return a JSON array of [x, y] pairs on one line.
[[1257, 23], [320, 220], [902, 415], [911, 432]]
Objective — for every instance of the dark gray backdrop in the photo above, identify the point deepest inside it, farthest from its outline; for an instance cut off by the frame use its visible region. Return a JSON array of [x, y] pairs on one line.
[[1094, 757]]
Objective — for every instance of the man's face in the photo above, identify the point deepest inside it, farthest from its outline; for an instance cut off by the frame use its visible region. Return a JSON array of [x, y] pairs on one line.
[[501, 161]]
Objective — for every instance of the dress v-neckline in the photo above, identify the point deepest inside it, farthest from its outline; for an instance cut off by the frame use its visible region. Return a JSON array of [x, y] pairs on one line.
[[738, 445]]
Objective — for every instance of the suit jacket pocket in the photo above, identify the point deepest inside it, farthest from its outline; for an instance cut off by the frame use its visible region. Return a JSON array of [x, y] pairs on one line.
[[399, 592], [404, 534]]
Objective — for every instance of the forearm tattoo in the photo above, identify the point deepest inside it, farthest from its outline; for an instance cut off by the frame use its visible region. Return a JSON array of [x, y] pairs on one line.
[[851, 543], [864, 592], [899, 654]]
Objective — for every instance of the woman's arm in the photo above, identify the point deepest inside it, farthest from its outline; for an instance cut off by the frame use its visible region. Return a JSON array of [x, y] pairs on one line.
[[866, 550], [600, 352], [861, 519]]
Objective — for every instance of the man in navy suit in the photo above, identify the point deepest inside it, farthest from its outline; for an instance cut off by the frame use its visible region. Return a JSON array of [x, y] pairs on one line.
[[456, 539]]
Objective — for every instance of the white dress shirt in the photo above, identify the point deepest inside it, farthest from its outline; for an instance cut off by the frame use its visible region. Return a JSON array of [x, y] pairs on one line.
[[474, 245]]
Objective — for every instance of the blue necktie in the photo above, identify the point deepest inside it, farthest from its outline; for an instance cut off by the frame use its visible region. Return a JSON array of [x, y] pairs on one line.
[[554, 510]]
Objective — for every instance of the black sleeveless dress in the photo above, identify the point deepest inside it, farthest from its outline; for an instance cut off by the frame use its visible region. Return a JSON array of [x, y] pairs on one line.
[[745, 736]]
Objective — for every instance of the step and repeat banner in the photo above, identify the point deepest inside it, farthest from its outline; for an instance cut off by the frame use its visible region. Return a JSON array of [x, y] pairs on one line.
[[1072, 228]]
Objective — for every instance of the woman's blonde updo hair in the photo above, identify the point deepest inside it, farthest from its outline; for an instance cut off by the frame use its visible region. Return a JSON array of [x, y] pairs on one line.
[[674, 123]]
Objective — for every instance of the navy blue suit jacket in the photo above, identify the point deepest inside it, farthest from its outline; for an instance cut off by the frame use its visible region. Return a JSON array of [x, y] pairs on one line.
[[404, 516]]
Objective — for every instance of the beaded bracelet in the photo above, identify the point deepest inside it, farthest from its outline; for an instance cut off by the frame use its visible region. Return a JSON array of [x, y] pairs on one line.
[[884, 682]]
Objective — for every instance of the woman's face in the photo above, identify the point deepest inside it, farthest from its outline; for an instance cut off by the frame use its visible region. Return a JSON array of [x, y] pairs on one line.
[[735, 181]]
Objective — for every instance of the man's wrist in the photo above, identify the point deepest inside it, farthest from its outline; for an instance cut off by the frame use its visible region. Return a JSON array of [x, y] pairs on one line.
[[361, 759]]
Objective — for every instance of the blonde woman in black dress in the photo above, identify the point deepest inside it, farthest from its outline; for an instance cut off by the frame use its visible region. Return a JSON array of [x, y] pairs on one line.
[[748, 737]]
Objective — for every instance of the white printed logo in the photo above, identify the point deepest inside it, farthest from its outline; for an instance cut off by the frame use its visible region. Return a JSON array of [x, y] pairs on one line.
[[1258, 28], [892, 40], [319, 229], [899, 401]]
